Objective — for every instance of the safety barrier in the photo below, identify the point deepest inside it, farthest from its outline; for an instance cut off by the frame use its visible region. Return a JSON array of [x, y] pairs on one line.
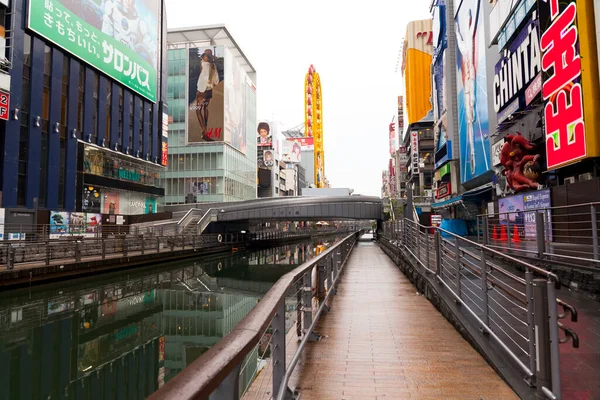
[[518, 311], [263, 333]]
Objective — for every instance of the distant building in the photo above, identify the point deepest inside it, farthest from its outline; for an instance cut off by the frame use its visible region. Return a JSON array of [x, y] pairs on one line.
[[327, 192]]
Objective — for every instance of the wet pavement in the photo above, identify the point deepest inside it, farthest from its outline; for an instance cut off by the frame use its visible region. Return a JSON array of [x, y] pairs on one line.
[[383, 340]]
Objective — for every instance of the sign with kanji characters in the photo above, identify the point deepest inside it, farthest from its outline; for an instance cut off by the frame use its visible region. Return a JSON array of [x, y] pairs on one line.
[[118, 38], [562, 89], [4, 102]]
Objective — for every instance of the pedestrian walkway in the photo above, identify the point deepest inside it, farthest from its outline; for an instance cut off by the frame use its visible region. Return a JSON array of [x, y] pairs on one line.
[[383, 340]]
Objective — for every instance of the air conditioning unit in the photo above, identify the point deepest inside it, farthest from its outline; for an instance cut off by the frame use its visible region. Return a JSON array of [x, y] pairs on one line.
[[585, 177], [570, 179]]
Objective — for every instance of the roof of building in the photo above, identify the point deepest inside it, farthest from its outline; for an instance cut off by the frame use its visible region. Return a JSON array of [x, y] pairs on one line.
[[212, 35]]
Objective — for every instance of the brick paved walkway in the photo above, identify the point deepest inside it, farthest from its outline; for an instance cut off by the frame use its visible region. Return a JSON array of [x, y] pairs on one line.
[[385, 341]]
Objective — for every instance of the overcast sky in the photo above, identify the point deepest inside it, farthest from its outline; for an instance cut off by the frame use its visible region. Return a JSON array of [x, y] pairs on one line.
[[353, 45]]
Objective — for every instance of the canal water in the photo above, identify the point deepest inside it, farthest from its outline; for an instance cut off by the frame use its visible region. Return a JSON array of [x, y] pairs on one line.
[[123, 335]]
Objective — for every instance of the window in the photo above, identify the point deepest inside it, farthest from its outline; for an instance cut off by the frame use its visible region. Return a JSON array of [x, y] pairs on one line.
[[120, 139], [95, 108], [141, 136], [64, 97], [108, 107], [24, 119], [80, 99], [130, 144]]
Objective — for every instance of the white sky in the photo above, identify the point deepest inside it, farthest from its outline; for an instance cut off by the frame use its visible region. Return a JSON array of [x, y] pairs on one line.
[[353, 45]]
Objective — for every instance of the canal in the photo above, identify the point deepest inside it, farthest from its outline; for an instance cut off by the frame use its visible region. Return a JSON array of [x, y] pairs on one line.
[[123, 335]]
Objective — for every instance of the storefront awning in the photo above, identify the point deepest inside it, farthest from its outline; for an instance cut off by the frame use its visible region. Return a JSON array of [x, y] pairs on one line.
[[478, 190], [447, 203]]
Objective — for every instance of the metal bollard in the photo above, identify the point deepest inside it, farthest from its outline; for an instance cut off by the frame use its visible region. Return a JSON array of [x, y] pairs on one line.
[[542, 337]]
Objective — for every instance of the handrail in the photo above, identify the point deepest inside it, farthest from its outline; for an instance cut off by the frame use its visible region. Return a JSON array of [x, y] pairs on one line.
[[594, 203], [548, 274], [204, 375], [191, 211]]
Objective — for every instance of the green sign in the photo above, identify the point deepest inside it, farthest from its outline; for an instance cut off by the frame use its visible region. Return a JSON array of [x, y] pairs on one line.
[[444, 170], [128, 175], [121, 41]]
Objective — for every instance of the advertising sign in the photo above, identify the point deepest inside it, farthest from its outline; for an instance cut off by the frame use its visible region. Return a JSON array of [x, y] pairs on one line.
[[561, 88], [443, 190], [235, 102], [496, 149], [119, 38], [206, 94], [165, 140], [414, 152], [264, 138], [524, 221], [519, 64], [292, 152], [4, 103], [400, 115], [268, 159], [392, 136], [472, 91]]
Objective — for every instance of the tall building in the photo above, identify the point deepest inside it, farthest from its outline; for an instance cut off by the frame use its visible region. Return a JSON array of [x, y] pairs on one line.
[[81, 107], [212, 118]]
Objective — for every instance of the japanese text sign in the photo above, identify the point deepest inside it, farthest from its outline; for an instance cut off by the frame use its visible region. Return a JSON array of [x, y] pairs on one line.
[[4, 102], [119, 41], [561, 88]]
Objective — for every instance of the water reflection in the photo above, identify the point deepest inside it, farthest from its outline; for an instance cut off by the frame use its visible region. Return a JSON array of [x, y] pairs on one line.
[[123, 335]]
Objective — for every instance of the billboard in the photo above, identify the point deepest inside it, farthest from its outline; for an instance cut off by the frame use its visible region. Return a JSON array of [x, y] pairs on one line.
[[518, 69], [63, 224], [306, 143], [291, 152], [518, 216], [392, 130], [268, 159], [570, 80], [118, 37], [264, 138], [400, 116], [235, 103], [473, 125], [165, 140], [206, 94]]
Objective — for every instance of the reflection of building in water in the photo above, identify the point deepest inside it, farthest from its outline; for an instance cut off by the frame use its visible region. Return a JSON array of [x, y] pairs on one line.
[[194, 321]]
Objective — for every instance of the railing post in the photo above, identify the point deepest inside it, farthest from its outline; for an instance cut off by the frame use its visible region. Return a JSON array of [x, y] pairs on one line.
[[77, 251], [158, 244], [484, 288], [299, 293], [321, 280], [142, 248], [418, 238], [508, 231], [427, 250], [594, 230], [103, 249], [554, 341], [457, 249], [279, 361], [125, 246], [540, 233], [48, 255], [10, 257], [330, 267], [486, 230], [530, 323], [542, 337], [307, 305], [229, 388], [438, 253]]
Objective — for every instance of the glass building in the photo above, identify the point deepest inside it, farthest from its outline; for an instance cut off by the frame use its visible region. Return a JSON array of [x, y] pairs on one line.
[[212, 138]]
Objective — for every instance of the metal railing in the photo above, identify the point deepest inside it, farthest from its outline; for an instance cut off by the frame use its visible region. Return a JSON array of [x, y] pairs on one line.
[[22, 253], [518, 311], [266, 333], [566, 234]]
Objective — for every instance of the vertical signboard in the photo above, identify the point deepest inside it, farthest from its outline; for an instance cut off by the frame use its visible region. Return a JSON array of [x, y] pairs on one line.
[[206, 94], [392, 138], [165, 140], [264, 138], [400, 117], [562, 41], [414, 152], [471, 82], [120, 38], [4, 102]]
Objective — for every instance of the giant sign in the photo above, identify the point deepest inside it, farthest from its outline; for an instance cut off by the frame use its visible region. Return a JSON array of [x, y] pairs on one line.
[[561, 88], [414, 152], [118, 38], [519, 65]]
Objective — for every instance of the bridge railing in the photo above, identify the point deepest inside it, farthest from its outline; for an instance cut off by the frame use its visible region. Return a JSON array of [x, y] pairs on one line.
[[518, 311], [228, 368], [16, 254], [567, 234]]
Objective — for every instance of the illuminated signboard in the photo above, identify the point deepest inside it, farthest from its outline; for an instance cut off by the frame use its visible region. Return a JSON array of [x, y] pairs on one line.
[[414, 152], [4, 101], [561, 88]]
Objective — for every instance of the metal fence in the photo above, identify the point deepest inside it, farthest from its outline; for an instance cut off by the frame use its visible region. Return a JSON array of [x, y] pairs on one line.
[[267, 334], [565, 234], [518, 311], [76, 250]]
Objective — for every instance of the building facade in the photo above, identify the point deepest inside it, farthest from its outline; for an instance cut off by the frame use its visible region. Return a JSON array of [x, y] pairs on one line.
[[212, 118], [81, 119]]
